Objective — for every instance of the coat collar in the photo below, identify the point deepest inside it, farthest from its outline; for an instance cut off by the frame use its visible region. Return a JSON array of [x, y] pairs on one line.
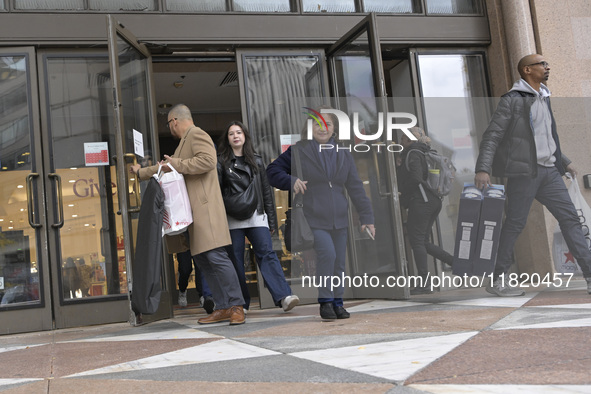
[[184, 138], [238, 166]]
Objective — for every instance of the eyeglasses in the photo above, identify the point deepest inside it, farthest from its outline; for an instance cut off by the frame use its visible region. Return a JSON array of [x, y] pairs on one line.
[[544, 64], [168, 123]]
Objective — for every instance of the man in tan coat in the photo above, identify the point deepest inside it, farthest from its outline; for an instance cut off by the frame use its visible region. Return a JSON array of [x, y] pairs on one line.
[[195, 158]]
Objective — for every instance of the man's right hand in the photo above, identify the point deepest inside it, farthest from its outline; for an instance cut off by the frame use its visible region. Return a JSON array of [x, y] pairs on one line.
[[481, 180]]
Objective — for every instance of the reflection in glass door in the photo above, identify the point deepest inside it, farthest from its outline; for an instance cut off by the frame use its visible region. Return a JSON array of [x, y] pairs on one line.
[[24, 275], [455, 111]]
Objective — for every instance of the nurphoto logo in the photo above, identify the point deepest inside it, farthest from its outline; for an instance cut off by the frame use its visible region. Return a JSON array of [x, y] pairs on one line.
[[360, 133]]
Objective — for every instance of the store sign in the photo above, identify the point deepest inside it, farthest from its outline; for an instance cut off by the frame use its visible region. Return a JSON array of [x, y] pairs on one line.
[[88, 188]]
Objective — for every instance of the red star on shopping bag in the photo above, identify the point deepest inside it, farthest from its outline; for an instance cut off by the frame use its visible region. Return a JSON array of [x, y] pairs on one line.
[[177, 223], [569, 257]]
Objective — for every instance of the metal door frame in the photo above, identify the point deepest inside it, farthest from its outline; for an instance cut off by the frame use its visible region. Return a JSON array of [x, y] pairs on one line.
[[34, 316], [117, 30]]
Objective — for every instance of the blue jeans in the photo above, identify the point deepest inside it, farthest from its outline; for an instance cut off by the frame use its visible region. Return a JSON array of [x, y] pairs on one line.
[[186, 263], [549, 189], [269, 265], [331, 252]]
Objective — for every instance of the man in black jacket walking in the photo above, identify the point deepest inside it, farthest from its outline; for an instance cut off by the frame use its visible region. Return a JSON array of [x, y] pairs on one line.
[[521, 143]]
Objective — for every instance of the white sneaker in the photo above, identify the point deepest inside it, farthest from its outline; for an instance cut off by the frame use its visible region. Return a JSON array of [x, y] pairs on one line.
[[289, 302], [183, 299], [498, 289]]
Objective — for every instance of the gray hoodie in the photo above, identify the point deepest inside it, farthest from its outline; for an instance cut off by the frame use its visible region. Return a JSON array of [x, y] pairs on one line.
[[541, 121]]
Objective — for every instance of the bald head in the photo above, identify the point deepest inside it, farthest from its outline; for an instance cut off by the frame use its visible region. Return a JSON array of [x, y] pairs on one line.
[[534, 70], [180, 111], [179, 120], [527, 60]]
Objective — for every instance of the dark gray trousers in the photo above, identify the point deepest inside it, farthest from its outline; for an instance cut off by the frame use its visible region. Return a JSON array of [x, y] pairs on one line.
[[549, 189], [221, 277]]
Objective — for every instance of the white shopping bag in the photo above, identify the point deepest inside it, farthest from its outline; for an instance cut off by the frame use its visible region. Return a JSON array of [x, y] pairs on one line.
[[564, 261], [177, 207]]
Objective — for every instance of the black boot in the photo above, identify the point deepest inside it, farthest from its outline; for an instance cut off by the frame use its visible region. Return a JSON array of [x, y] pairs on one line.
[[421, 290], [341, 312], [208, 304], [327, 311]]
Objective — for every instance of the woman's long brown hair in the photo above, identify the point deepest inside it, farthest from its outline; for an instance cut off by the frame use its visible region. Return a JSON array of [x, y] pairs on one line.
[[225, 150]]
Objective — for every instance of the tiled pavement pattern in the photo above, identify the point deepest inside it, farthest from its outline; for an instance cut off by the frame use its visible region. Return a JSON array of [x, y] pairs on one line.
[[455, 341]]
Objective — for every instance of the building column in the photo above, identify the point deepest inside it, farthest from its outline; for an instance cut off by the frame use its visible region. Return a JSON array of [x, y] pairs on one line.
[[533, 248], [519, 31]]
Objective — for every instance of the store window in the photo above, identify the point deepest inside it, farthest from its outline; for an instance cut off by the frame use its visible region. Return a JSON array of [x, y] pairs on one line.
[[19, 268], [123, 5], [328, 5], [392, 6], [222, 5], [261, 6], [77, 5], [48, 4], [276, 86], [196, 5], [453, 7]]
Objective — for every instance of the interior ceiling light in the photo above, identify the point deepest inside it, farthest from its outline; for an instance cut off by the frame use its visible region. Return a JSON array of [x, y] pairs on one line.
[[165, 105], [179, 83]]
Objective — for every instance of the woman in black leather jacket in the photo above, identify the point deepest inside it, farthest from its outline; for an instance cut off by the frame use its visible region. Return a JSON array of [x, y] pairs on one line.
[[251, 212]]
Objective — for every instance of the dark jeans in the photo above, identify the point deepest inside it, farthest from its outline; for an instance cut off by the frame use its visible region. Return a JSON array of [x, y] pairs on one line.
[[331, 251], [186, 263], [221, 277], [260, 239], [421, 216], [549, 189]]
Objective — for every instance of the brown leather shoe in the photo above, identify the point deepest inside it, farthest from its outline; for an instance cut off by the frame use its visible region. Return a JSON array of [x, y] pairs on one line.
[[236, 315], [217, 316]]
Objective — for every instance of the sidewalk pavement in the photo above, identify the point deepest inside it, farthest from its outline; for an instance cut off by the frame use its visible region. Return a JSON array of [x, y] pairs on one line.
[[454, 341]]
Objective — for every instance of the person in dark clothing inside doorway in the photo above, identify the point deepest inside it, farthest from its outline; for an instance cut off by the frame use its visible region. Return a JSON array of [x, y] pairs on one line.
[[185, 267], [423, 206]]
